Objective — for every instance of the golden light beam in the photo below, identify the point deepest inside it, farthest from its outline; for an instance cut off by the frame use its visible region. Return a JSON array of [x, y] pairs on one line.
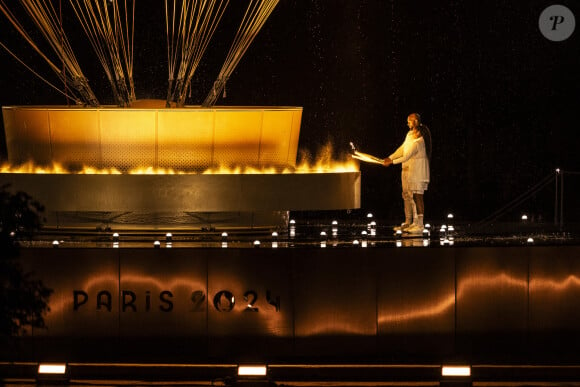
[[446, 302]]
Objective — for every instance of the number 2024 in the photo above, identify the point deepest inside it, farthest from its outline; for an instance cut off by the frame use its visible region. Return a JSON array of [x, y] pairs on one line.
[[224, 301]]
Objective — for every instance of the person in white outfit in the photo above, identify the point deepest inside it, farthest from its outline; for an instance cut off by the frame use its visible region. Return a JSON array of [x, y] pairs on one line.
[[414, 160]]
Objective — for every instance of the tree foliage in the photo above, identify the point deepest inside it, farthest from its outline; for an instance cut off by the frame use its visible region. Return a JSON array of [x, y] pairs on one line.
[[23, 299]]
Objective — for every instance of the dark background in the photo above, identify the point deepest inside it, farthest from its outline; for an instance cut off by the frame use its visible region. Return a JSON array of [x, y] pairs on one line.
[[499, 98]]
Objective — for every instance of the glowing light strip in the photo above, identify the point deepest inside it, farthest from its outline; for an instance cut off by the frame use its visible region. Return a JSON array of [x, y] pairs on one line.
[[256, 370], [54, 369], [353, 366], [456, 371]]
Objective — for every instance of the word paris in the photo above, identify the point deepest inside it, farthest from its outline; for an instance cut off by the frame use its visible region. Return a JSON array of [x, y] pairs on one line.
[[223, 301]]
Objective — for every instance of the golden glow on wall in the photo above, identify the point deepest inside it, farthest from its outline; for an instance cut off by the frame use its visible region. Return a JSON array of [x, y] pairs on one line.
[[446, 302], [183, 139], [152, 141], [562, 286]]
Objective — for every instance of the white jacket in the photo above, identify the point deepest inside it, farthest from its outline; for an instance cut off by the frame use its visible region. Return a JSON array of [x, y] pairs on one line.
[[412, 155]]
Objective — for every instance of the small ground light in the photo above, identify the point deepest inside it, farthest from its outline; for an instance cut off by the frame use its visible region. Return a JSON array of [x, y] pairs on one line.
[[369, 218], [455, 371], [530, 240], [334, 228], [116, 240], [156, 244], [443, 240], [256, 243], [168, 237], [524, 217], [292, 230], [255, 370], [443, 233], [451, 233], [52, 369], [355, 243], [373, 228], [52, 374], [323, 238], [55, 244], [274, 240], [363, 236], [450, 216], [224, 240]]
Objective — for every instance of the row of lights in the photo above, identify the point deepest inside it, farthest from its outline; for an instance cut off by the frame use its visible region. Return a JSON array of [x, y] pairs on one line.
[[157, 243], [371, 231], [446, 235], [371, 226], [256, 242], [61, 369], [447, 232], [446, 370], [256, 370], [169, 241]]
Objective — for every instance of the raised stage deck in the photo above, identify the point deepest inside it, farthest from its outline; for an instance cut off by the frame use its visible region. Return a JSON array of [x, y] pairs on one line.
[[391, 312]]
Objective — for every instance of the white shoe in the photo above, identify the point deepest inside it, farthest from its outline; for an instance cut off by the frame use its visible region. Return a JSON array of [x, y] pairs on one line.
[[402, 227], [415, 229]]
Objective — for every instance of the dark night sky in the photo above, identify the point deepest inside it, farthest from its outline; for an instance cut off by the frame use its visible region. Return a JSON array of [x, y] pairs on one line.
[[499, 97]]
